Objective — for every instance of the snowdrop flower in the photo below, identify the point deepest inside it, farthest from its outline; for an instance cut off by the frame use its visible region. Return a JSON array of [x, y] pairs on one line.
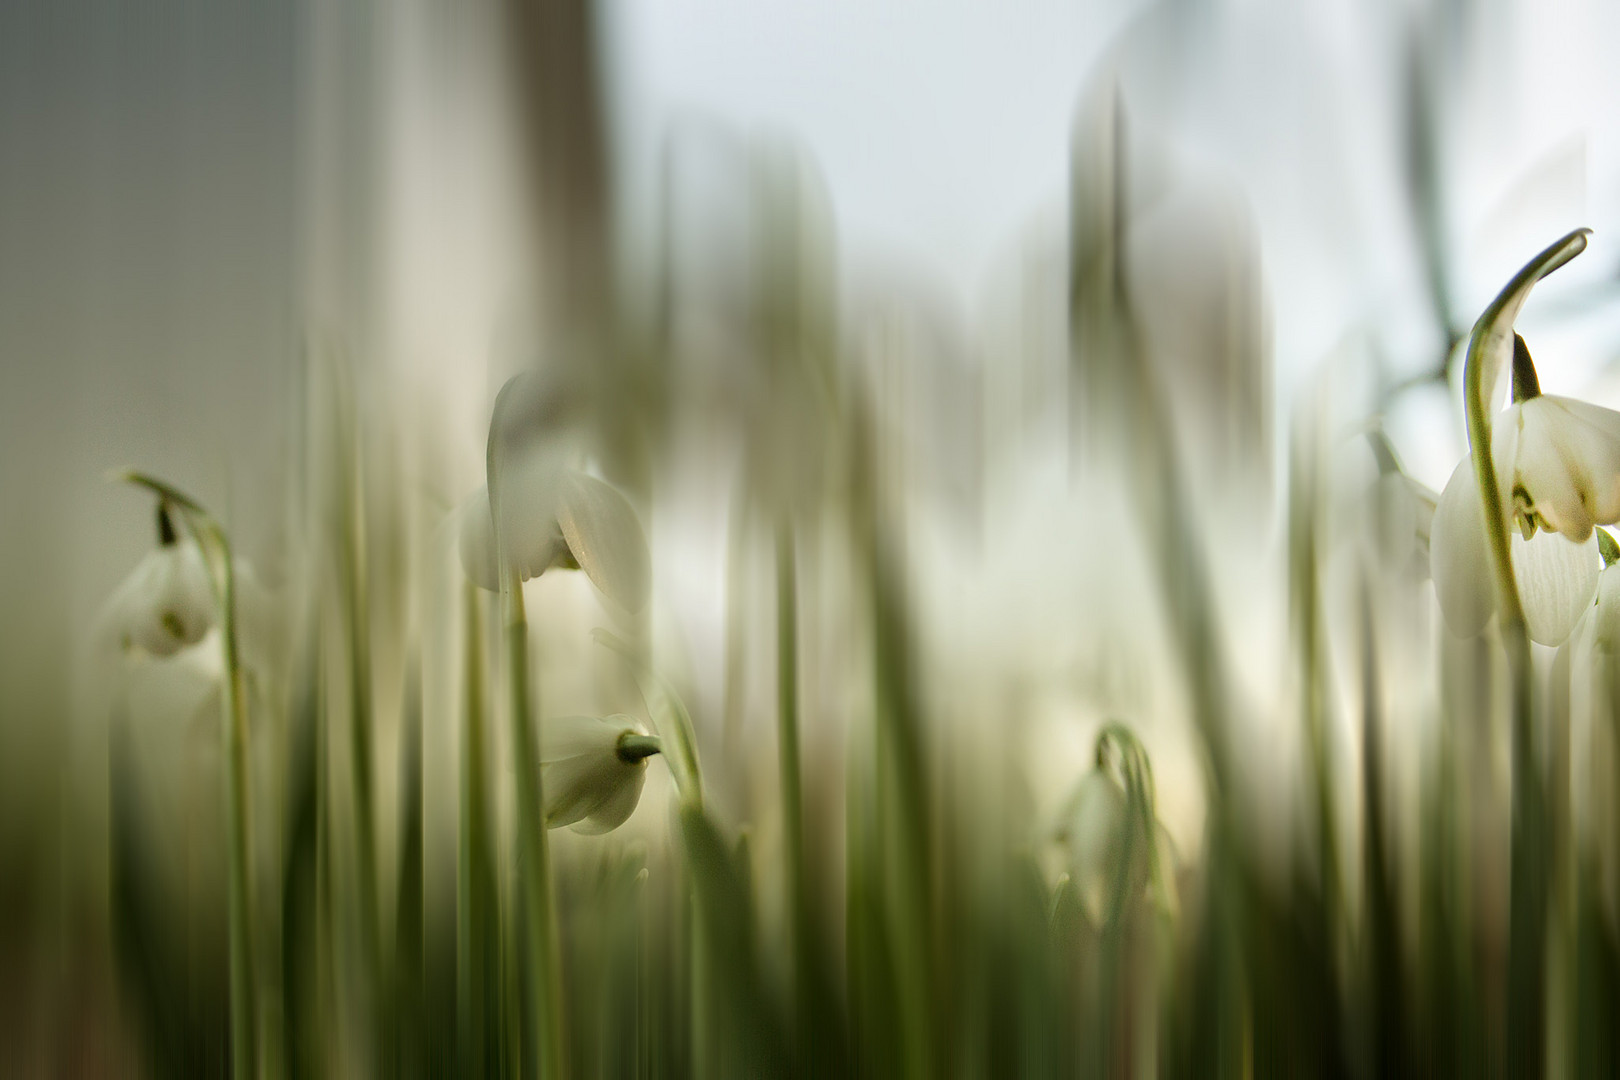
[[1392, 517], [1094, 825], [1555, 465], [555, 516], [595, 768], [167, 602], [1556, 577], [1096, 819], [1560, 461]]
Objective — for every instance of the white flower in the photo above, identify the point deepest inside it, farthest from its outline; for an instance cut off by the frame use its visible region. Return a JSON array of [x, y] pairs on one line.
[[593, 778], [1555, 575], [1094, 829], [555, 516], [1557, 471], [166, 603], [1558, 460], [1397, 516], [1599, 633]]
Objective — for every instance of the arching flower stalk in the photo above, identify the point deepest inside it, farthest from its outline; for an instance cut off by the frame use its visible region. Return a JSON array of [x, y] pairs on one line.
[[179, 614]]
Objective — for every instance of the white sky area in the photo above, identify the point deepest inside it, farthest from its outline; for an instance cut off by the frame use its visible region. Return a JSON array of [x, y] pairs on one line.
[[942, 130]]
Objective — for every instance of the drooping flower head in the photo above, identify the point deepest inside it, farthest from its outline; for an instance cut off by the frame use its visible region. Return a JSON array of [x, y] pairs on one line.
[[552, 514], [167, 602], [1555, 462], [595, 768]]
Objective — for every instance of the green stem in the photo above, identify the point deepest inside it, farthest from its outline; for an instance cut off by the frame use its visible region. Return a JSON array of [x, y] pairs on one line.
[[787, 719], [361, 769], [244, 1007], [216, 549], [474, 890]]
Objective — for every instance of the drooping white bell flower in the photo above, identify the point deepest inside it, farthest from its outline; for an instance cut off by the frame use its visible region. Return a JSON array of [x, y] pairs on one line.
[[1096, 819], [1556, 576], [1093, 827], [555, 516], [595, 768], [1556, 467], [1559, 462], [167, 602], [1398, 517]]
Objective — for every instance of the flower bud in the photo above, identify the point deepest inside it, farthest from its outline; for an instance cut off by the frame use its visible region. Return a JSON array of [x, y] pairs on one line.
[[1098, 815]]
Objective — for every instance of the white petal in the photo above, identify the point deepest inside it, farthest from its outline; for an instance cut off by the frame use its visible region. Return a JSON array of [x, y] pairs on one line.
[[1557, 578], [533, 540], [1567, 460], [574, 787], [167, 602], [585, 780], [177, 690], [1460, 557], [1402, 512], [1601, 631], [569, 736], [605, 539], [1095, 841], [616, 809]]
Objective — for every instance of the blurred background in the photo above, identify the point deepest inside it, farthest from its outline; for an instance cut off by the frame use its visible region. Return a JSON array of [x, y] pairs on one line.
[[979, 379]]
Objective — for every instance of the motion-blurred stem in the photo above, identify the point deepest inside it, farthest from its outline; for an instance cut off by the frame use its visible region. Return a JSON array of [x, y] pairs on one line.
[[787, 718], [351, 508], [474, 888]]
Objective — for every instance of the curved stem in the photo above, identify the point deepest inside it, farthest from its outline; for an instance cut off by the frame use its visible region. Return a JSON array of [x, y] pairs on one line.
[[216, 550]]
